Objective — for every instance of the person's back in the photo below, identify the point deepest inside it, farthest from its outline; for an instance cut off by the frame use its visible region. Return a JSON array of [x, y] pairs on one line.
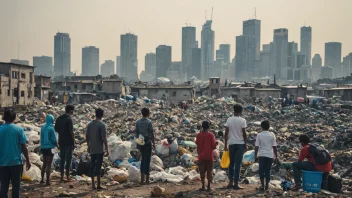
[[47, 134], [63, 127], [205, 145], [96, 131], [305, 154], [11, 137], [235, 125], [144, 127], [266, 141]]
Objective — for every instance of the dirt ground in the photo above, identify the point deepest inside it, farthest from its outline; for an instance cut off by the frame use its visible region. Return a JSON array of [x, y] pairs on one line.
[[184, 189]]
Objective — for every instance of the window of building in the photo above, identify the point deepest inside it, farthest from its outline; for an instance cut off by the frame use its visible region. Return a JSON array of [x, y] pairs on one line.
[[84, 86], [14, 74], [0, 91], [68, 88], [22, 93], [23, 76], [174, 93], [29, 93], [76, 86], [31, 77], [8, 92]]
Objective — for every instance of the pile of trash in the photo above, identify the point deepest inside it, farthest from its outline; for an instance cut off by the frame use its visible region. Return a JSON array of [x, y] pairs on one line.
[[175, 158]]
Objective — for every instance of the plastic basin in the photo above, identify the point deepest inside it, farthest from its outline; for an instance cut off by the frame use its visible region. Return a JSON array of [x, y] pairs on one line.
[[312, 181]]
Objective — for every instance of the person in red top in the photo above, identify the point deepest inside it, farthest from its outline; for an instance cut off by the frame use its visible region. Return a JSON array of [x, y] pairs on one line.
[[205, 145], [309, 165]]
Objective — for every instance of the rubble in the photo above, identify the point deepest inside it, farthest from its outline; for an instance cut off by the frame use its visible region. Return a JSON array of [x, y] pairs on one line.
[[175, 159]]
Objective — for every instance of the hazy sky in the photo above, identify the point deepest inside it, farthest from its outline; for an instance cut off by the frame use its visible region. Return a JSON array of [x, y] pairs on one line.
[[100, 23]]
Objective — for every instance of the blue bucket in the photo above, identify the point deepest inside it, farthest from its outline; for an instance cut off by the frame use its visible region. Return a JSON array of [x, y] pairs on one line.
[[312, 181]]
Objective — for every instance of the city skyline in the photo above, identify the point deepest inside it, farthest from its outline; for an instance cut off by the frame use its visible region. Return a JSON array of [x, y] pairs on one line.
[[227, 23]]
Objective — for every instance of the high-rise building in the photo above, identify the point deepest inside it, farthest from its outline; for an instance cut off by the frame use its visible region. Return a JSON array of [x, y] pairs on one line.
[[62, 54], [223, 53], [90, 61], [118, 65], [306, 42], [21, 62], [128, 52], [150, 64], [302, 60], [317, 64], [265, 61], [280, 52], [196, 62], [245, 57], [43, 65], [333, 57], [107, 68], [207, 46], [347, 65], [252, 28], [163, 60], [188, 43], [292, 54]]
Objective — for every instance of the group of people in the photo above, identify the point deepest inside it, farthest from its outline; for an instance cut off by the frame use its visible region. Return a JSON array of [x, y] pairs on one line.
[[13, 140]]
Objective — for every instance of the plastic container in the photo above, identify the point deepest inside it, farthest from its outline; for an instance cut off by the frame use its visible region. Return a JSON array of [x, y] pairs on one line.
[[312, 181]]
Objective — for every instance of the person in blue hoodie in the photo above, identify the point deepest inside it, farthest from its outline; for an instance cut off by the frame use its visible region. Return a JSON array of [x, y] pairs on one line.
[[47, 142]]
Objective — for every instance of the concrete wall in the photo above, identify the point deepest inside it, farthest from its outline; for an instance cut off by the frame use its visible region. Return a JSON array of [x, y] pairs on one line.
[[266, 93], [173, 94], [297, 92], [113, 87]]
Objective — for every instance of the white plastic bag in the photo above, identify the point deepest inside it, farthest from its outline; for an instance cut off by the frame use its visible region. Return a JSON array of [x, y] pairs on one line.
[[166, 177], [119, 175], [118, 149], [194, 175], [32, 136], [35, 159], [163, 149], [178, 170], [134, 175], [156, 163], [255, 167], [33, 173], [173, 147], [248, 157], [220, 176]]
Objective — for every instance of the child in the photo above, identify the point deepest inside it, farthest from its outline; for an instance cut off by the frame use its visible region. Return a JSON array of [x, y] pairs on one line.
[[205, 145], [265, 150]]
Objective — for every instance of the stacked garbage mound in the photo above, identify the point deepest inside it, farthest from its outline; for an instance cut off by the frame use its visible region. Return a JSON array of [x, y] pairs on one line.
[[175, 158]]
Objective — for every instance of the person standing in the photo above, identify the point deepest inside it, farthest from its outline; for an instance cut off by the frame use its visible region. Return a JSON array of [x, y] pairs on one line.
[[12, 146], [144, 127], [265, 151], [236, 144], [96, 140], [64, 127], [47, 142], [205, 145]]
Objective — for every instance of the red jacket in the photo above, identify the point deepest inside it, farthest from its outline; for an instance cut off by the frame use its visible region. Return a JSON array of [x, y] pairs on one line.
[[305, 154], [205, 145]]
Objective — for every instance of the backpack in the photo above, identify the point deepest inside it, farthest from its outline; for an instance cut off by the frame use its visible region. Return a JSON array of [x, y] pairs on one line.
[[335, 184], [320, 155]]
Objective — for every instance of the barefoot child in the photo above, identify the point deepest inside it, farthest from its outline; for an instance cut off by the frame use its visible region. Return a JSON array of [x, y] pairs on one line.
[[205, 145], [265, 150]]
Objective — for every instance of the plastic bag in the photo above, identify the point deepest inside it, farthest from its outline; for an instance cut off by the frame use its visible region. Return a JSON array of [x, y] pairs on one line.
[[166, 177], [225, 160], [255, 167], [156, 163], [118, 175], [248, 157], [35, 159], [134, 174], [118, 149], [163, 149], [194, 175], [33, 174], [220, 176], [178, 170], [33, 137], [173, 147]]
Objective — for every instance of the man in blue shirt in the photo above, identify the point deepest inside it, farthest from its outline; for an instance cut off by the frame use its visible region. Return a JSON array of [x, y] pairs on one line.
[[12, 145]]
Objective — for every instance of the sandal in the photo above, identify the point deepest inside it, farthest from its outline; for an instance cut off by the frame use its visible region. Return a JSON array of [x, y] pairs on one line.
[[101, 188], [237, 187]]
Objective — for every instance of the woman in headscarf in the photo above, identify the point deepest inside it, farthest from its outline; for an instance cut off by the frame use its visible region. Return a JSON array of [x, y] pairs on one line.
[[48, 141]]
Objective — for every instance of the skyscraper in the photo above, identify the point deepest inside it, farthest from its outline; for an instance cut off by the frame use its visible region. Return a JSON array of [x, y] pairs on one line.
[[90, 61], [347, 65], [196, 63], [252, 28], [118, 65], [62, 54], [107, 68], [43, 65], [306, 42], [207, 47], [128, 52], [150, 64], [245, 57], [265, 63], [333, 57], [188, 43], [163, 60], [302, 60], [280, 52], [317, 64], [292, 54], [223, 53]]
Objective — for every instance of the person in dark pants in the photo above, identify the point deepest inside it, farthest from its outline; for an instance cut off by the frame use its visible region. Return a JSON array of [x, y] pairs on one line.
[[64, 127], [144, 127], [265, 150], [205, 145], [309, 165], [236, 138], [96, 139], [47, 142], [12, 146]]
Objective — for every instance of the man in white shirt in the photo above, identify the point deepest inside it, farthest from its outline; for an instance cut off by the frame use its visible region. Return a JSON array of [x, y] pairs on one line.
[[236, 138], [265, 150]]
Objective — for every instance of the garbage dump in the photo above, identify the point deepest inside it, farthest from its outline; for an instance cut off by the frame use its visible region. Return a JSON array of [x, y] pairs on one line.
[[175, 159]]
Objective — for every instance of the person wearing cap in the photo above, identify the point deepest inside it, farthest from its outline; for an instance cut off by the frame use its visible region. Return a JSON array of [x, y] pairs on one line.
[[205, 145]]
